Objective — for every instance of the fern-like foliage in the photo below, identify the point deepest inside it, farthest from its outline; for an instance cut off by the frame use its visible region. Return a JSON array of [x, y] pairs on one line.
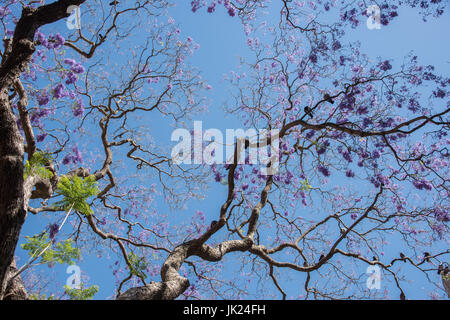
[[138, 265], [82, 293], [36, 166], [76, 191], [62, 252], [35, 296]]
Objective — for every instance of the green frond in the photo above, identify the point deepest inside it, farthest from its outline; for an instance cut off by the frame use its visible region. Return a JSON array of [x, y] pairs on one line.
[[76, 191]]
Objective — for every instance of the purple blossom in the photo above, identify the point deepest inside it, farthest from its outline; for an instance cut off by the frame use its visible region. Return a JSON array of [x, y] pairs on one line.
[[324, 170], [59, 91], [43, 99], [439, 93], [422, 184], [385, 65], [77, 155], [41, 137], [78, 68], [71, 78], [347, 156], [350, 174], [441, 215], [67, 159], [59, 41], [313, 58], [310, 134], [70, 62], [440, 229], [211, 7], [78, 110], [336, 45], [53, 230]]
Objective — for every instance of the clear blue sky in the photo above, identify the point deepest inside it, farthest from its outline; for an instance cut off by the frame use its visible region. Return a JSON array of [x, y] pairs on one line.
[[222, 41]]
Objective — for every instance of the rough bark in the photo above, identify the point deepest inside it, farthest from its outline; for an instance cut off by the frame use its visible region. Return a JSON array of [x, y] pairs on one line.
[[17, 55], [15, 290]]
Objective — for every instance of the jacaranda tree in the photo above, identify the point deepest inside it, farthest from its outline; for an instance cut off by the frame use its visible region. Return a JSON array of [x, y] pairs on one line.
[[362, 152]]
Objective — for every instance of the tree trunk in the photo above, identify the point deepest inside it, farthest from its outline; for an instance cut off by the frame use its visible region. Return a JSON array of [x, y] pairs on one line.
[[16, 56], [12, 211]]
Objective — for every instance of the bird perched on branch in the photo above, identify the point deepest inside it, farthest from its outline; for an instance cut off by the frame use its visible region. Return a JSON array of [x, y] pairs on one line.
[[308, 111], [426, 256], [247, 143], [440, 268], [327, 98], [321, 257], [213, 224], [402, 256], [113, 3]]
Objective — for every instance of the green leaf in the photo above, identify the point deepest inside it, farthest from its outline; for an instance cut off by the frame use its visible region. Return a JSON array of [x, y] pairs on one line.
[[305, 185], [36, 165], [81, 294], [138, 265], [63, 252], [76, 191]]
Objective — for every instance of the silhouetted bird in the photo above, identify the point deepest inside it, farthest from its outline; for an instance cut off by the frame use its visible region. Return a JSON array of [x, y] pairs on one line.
[[402, 256], [213, 224], [426, 256], [327, 98], [247, 143], [440, 268], [374, 258], [113, 3], [305, 264], [321, 257], [308, 111]]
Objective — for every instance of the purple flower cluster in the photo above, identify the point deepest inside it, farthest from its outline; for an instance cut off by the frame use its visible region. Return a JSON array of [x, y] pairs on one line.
[[53, 42], [76, 68], [324, 170], [336, 45], [59, 91], [36, 116], [41, 137], [348, 102], [74, 158], [197, 4], [53, 230], [43, 98], [78, 110], [441, 215], [324, 147], [422, 184], [385, 65], [439, 93], [347, 156]]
